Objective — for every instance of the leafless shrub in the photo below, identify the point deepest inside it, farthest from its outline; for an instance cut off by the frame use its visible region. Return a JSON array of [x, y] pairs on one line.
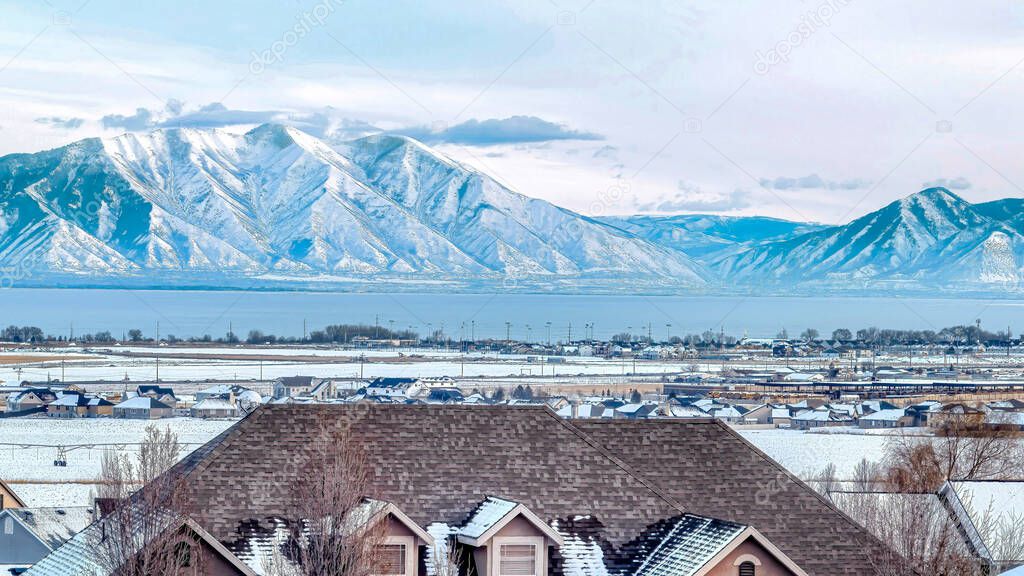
[[143, 531], [336, 530]]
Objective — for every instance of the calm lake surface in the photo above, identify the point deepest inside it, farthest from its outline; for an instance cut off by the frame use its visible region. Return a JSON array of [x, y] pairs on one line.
[[194, 313]]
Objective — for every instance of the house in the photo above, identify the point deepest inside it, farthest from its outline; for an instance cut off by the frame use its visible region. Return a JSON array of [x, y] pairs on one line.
[[892, 418], [8, 499], [30, 399], [394, 387], [79, 405], [84, 553], [521, 488], [310, 386], [68, 406], [956, 413], [820, 418], [214, 407], [99, 407], [781, 417], [635, 411], [989, 513], [161, 393], [27, 535], [759, 414], [142, 408]]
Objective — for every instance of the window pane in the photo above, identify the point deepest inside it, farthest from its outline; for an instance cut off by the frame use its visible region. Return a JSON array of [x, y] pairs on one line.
[[392, 559], [518, 560]]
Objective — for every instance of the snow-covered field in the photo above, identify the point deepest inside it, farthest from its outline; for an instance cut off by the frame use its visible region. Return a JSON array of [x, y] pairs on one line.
[[69, 485], [806, 453]]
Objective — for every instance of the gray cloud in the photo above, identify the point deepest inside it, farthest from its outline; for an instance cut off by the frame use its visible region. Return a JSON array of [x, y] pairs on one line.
[[512, 130], [143, 119], [813, 181], [691, 198], [61, 123], [213, 115], [958, 183]]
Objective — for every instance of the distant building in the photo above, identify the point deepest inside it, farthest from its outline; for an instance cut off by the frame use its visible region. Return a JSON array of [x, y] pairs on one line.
[[142, 408], [296, 386], [162, 393], [31, 398], [891, 418], [214, 408]]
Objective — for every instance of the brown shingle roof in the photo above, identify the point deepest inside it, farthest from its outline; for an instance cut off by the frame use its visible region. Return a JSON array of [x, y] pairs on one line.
[[619, 482], [713, 471]]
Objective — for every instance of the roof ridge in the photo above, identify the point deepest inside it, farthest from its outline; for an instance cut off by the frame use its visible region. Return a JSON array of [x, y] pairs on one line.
[[615, 459], [792, 477]]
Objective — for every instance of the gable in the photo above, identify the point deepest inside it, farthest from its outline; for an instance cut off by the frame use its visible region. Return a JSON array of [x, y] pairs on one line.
[[712, 471], [21, 546]]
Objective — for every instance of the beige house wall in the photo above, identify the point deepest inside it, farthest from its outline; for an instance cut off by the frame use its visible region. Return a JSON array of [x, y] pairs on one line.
[[770, 566]]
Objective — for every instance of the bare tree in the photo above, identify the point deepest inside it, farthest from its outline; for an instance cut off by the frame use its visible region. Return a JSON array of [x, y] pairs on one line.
[[337, 529], [143, 531], [917, 528], [963, 449]]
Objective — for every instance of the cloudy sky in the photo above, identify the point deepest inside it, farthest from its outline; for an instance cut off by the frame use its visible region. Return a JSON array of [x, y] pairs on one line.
[[797, 109]]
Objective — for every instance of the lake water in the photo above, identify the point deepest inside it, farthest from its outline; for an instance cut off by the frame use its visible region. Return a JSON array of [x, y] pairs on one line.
[[194, 313]]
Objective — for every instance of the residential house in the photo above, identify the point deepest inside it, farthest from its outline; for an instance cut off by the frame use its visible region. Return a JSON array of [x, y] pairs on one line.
[[781, 417], [99, 407], [820, 418], [68, 406], [989, 512], [956, 413], [142, 408], [214, 407], [30, 399], [86, 554], [163, 394], [27, 535], [394, 387], [8, 499], [759, 414], [522, 491], [634, 411], [304, 386], [892, 418]]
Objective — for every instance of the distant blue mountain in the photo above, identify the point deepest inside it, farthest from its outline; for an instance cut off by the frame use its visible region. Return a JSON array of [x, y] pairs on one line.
[[703, 235]]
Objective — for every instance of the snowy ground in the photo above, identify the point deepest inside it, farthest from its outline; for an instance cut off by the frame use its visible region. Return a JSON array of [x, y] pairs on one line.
[[68, 486], [806, 453]]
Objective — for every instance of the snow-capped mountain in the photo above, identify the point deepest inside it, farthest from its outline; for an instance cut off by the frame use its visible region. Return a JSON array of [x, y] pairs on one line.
[[276, 203], [932, 238]]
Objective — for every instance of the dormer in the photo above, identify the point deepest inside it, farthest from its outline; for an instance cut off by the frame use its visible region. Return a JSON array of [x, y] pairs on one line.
[[508, 539], [701, 546], [399, 550]]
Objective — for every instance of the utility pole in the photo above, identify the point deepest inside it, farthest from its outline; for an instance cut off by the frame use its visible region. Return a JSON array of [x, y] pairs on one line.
[[61, 371], [303, 329], [158, 332], [508, 333], [157, 369], [570, 333]]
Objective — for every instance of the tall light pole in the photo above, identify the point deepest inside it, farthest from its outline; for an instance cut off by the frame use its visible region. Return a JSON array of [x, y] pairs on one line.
[[548, 325]]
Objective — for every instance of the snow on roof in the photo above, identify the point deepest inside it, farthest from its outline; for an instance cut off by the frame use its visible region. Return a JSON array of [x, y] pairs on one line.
[[213, 404], [890, 415], [53, 526], [486, 516], [780, 413], [144, 402], [689, 545]]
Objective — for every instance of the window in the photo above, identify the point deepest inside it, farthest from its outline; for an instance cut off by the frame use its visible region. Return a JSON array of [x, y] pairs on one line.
[[747, 569], [397, 556], [8, 525], [517, 560], [392, 558]]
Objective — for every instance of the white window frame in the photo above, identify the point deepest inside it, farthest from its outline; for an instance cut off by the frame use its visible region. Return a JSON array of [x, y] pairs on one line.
[[538, 542], [411, 553]]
